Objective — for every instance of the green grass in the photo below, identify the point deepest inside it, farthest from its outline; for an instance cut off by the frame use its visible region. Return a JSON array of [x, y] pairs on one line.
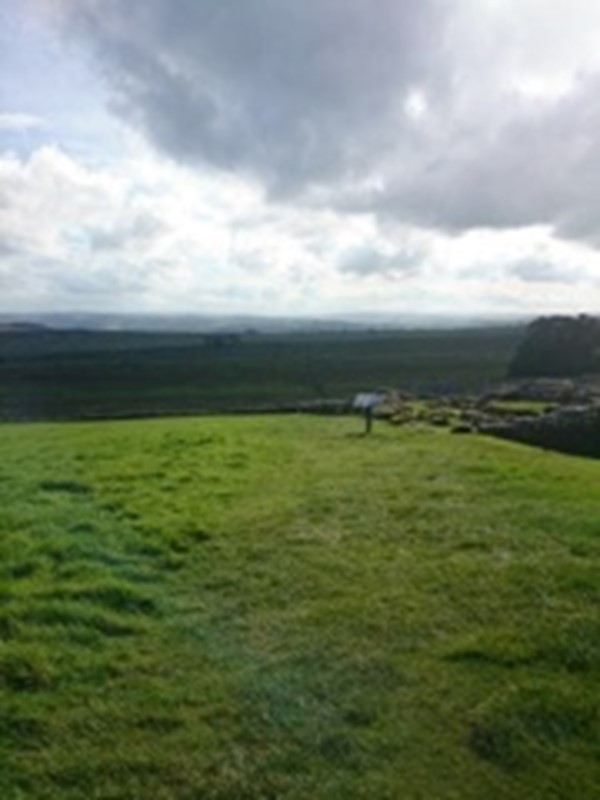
[[281, 608], [530, 408]]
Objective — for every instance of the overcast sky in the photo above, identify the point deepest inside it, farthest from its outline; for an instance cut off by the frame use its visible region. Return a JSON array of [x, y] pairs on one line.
[[300, 157]]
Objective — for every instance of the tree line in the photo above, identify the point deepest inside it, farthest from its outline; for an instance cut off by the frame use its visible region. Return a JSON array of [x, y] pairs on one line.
[[559, 346]]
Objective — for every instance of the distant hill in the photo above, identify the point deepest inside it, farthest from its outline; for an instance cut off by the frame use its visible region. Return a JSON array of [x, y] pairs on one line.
[[559, 346], [243, 323], [184, 323], [73, 374], [21, 327]]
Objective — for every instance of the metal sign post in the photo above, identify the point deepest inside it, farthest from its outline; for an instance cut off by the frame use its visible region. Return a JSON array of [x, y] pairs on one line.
[[367, 403]]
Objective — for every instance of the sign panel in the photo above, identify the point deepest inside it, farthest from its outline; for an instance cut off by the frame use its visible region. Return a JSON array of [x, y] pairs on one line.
[[366, 400]]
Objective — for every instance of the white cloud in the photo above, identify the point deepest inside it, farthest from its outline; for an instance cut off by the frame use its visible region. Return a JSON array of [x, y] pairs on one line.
[[451, 117], [14, 121], [321, 156], [150, 236]]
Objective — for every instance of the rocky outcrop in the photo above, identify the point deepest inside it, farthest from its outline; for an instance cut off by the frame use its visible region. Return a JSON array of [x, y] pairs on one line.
[[583, 390]]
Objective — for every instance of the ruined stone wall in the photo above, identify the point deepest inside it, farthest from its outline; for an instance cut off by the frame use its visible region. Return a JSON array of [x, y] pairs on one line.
[[569, 430]]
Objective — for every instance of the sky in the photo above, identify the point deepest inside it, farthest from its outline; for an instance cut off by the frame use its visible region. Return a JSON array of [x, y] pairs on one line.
[[300, 158]]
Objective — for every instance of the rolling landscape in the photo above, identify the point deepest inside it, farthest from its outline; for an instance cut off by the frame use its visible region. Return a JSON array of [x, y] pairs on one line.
[[54, 374], [277, 605], [299, 400]]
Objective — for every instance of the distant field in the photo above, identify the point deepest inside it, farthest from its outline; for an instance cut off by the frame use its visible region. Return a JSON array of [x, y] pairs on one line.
[[276, 607], [62, 375]]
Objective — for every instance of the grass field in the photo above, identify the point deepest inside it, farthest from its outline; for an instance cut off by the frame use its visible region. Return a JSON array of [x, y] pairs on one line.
[[278, 607], [66, 375]]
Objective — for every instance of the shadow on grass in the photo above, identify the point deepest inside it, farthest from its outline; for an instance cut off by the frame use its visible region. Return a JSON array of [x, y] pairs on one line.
[[524, 724]]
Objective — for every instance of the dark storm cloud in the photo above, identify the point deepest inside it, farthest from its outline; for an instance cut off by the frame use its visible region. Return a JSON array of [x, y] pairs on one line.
[[293, 92], [312, 95]]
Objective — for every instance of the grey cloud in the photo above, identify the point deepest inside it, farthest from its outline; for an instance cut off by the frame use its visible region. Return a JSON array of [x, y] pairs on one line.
[[535, 271], [308, 96], [7, 248], [124, 279], [74, 285], [136, 231], [539, 167], [291, 92], [365, 261]]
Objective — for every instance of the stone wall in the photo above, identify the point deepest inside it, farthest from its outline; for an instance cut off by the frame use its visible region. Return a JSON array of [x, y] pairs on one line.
[[570, 430]]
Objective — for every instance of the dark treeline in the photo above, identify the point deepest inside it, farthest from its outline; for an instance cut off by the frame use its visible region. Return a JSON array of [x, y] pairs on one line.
[[559, 346]]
